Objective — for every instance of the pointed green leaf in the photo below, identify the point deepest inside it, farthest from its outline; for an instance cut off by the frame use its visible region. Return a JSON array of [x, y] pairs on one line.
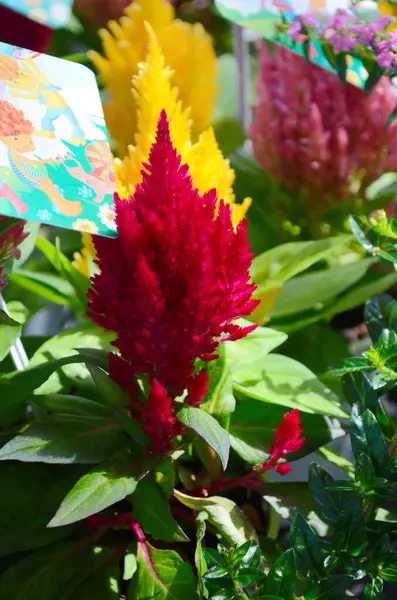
[[224, 515], [309, 553], [208, 428], [101, 487], [161, 575], [281, 578], [153, 513], [66, 440]]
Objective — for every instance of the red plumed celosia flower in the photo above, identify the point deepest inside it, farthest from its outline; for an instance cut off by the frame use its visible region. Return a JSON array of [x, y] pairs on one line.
[[11, 236], [174, 281], [155, 413], [287, 436], [160, 424]]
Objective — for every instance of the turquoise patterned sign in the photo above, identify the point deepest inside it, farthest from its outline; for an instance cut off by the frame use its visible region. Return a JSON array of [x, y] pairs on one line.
[[53, 13], [55, 161]]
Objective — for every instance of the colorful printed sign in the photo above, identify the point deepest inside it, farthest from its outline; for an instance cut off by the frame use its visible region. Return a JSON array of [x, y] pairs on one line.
[[53, 13], [55, 161], [263, 16]]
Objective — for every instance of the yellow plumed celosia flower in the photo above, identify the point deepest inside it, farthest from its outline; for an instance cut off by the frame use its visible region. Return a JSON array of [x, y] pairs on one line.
[[188, 52], [154, 92], [83, 261], [388, 9]]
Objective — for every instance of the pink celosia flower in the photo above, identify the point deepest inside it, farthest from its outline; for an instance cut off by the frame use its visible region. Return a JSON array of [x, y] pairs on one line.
[[10, 238], [312, 133], [174, 281]]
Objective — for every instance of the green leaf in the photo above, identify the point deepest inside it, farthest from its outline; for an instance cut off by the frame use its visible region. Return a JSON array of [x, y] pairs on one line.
[[65, 344], [334, 458], [314, 289], [49, 286], [350, 532], [27, 246], [373, 79], [226, 104], [152, 511], [278, 379], [199, 558], [367, 438], [101, 487], [11, 326], [287, 260], [65, 404], [102, 582], [380, 314], [207, 428], [66, 440], [224, 515], [115, 398], [162, 575], [165, 476], [374, 590], [252, 429], [285, 497], [64, 267], [221, 402], [329, 588], [255, 346], [317, 347], [326, 503], [33, 495], [111, 393], [341, 66], [392, 117], [281, 578], [54, 572], [309, 554], [15, 387], [388, 572], [361, 293]]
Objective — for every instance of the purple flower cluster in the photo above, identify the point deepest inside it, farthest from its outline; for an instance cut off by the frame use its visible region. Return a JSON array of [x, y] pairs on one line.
[[346, 32]]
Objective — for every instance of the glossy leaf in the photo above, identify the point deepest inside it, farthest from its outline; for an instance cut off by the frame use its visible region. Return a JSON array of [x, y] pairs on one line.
[[309, 554], [367, 438], [326, 502], [207, 428], [380, 313], [281, 577]]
